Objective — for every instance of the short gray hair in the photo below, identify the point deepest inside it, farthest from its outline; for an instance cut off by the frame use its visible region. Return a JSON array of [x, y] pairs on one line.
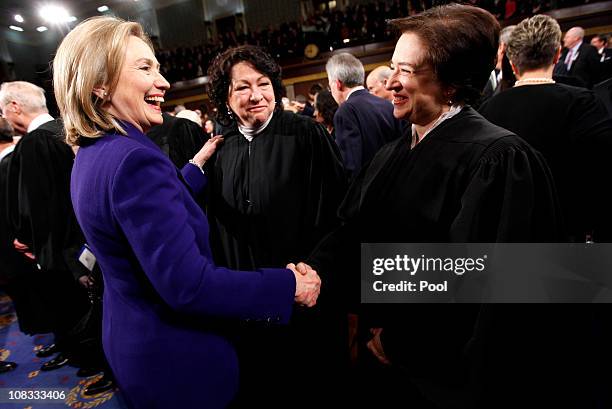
[[31, 97], [534, 43], [346, 68], [504, 34]]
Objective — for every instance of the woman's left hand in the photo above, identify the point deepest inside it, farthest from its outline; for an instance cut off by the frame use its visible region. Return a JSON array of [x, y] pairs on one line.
[[207, 150]]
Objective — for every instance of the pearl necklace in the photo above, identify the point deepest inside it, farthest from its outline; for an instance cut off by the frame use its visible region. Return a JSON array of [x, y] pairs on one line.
[[534, 81]]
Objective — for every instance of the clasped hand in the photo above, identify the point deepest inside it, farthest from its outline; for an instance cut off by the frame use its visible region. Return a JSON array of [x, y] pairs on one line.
[[307, 284]]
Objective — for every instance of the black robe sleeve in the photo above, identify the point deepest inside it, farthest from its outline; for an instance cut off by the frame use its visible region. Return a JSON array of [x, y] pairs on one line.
[[510, 198], [327, 182]]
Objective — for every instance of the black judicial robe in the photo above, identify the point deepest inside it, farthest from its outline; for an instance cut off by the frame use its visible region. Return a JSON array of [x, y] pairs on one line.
[[269, 202], [467, 181], [39, 207], [17, 273], [572, 129], [179, 138], [40, 215]]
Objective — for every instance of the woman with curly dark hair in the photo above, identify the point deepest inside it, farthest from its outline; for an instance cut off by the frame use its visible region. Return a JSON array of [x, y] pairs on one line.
[[274, 188]]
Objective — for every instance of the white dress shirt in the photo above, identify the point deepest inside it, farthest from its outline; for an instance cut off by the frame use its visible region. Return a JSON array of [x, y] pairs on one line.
[[38, 121], [6, 151]]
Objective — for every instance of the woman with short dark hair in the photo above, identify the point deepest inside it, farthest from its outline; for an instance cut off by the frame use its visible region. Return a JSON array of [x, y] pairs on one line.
[[458, 42], [456, 178]]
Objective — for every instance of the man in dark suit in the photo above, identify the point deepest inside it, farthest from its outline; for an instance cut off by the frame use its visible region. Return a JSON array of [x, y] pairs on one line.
[[578, 60], [363, 123], [600, 42]]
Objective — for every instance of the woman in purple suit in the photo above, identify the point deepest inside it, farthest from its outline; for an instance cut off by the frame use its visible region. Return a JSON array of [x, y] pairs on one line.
[[167, 307]]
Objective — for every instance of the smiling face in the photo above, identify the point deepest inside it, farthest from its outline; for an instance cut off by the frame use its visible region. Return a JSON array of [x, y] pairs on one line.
[[417, 95], [597, 42], [140, 89], [251, 95]]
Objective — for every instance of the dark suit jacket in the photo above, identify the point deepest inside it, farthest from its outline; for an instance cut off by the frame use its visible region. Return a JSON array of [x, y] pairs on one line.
[[363, 124], [164, 297], [586, 67], [606, 64]]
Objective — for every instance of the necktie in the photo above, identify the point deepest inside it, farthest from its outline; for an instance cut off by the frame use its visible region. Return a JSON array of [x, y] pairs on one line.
[[568, 59]]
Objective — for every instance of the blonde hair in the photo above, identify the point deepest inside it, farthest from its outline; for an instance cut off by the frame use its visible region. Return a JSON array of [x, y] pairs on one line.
[[534, 43], [91, 56]]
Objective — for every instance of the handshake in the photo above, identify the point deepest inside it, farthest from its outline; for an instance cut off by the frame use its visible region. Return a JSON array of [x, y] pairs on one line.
[[307, 284]]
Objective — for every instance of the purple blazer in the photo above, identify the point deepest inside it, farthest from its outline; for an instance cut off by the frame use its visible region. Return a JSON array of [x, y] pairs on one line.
[[166, 304]]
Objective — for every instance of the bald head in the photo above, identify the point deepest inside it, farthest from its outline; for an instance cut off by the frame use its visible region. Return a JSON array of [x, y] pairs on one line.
[[573, 36], [377, 81]]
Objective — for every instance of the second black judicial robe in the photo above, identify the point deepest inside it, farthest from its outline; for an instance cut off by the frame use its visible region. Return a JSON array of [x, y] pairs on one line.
[[40, 215], [466, 181], [270, 201]]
